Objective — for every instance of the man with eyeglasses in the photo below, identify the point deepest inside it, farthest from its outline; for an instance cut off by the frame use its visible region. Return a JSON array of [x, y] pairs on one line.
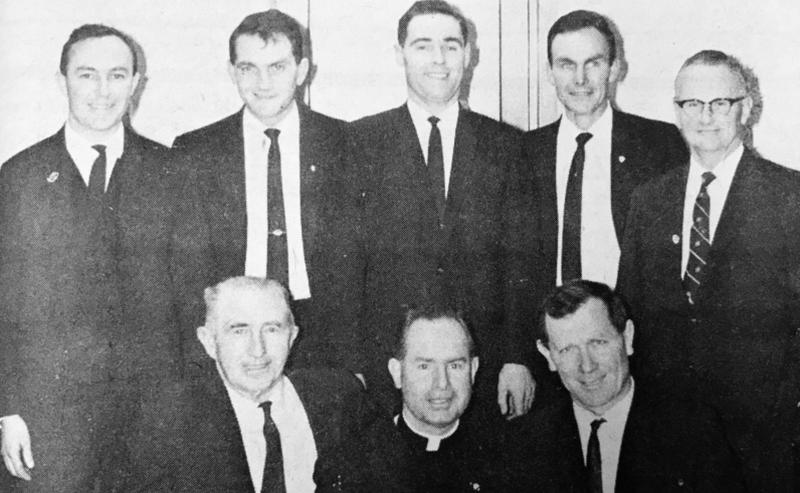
[[711, 264]]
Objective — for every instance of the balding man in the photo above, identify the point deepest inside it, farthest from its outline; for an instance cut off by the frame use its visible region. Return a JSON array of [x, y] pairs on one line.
[[712, 267]]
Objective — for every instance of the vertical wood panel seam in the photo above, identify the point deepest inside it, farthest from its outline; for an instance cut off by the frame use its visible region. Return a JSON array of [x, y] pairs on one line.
[[500, 57]]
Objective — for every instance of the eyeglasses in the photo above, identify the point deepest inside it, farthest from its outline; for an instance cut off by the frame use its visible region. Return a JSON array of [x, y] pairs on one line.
[[718, 106]]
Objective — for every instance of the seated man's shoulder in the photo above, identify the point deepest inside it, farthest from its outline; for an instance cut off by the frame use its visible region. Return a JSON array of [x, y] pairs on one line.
[[328, 382]]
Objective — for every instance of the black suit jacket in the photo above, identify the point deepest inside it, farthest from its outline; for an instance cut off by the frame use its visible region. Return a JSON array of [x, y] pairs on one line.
[[470, 261], [210, 245], [84, 296], [186, 437], [735, 347], [667, 445]]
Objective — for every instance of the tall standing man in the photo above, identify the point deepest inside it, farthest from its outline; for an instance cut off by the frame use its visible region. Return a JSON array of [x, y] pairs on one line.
[[263, 197], [439, 191], [83, 273], [712, 270]]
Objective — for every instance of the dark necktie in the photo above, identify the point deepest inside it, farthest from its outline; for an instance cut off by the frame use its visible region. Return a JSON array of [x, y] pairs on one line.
[[97, 178], [436, 167], [273, 481], [277, 250], [699, 241], [594, 462], [571, 238]]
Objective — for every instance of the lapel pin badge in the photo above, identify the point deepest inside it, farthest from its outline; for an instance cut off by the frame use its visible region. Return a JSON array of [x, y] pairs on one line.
[[52, 177], [313, 168], [621, 159], [676, 239]]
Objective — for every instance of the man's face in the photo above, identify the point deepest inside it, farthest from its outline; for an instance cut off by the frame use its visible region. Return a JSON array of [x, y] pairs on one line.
[[590, 355], [267, 75], [711, 135], [99, 84], [250, 339], [581, 73], [436, 374], [434, 56]]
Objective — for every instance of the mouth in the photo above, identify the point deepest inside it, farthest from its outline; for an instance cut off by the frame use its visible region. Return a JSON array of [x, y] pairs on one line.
[[256, 367], [441, 403], [101, 106], [593, 384], [437, 75]]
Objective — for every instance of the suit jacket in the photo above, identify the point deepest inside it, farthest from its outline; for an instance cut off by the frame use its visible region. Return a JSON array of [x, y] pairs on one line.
[[668, 445], [85, 296], [734, 348], [210, 245], [186, 437], [469, 261]]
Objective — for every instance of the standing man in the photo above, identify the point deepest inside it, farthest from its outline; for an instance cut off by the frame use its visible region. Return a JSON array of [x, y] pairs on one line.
[[440, 191], [711, 268], [607, 433], [83, 273], [264, 197]]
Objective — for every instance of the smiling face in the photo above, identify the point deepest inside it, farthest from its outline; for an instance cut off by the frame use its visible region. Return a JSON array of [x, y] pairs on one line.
[[249, 336], [711, 137], [99, 83], [581, 73], [590, 355], [434, 56], [267, 75], [435, 375]]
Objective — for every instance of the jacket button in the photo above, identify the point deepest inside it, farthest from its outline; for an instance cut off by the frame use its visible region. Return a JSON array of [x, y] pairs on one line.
[[440, 270], [680, 482]]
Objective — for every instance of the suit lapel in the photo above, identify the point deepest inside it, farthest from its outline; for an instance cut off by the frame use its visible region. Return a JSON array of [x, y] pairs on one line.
[[744, 186], [545, 176], [461, 173], [313, 143], [324, 424], [626, 154]]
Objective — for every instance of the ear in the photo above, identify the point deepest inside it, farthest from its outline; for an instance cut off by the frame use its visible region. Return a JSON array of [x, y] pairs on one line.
[[747, 107], [61, 80], [467, 53], [232, 72], [302, 72], [293, 335], [207, 339], [627, 336], [544, 351], [135, 84], [398, 55], [614, 72], [396, 370], [474, 363]]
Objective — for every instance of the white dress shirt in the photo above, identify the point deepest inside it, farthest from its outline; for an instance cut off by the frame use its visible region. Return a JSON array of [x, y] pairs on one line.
[[298, 447], [82, 154], [256, 151], [448, 119], [717, 195], [609, 435], [433, 440], [599, 246]]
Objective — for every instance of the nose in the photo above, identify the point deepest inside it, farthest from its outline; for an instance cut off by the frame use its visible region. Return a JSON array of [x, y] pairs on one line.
[[439, 54], [580, 76], [705, 113], [587, 361], [103, 86], [258, 344], [441, 379]]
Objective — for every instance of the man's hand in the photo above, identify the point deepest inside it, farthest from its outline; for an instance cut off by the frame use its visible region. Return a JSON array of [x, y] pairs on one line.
[[515, 390], [16, 447]]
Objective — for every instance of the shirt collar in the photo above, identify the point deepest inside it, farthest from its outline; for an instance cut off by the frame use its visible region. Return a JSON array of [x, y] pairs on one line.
[[420, 115], [242, 402], [433, 440], [289, 124], [80, 147], [600, 129], [723, 172], [617, 414]]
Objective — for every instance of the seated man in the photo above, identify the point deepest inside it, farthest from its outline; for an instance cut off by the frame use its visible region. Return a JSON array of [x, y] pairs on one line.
[[610, 434], [427, 447], [246, 426]]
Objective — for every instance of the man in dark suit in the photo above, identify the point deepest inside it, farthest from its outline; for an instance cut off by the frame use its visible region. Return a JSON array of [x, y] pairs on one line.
[[245, 425], [83, 273], [711, 268], [586, 164], [440, 190], [608, 433], [427, 446], [264, 197]]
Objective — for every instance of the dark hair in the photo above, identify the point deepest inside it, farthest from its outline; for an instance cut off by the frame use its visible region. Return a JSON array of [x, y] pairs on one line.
[[431, 312], [269, 26], [426, 7], [88, 31], [569, 297], [582, 19]]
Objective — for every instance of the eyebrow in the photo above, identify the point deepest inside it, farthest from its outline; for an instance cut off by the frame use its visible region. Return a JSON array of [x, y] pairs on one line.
[[433, 360], [451, 39]]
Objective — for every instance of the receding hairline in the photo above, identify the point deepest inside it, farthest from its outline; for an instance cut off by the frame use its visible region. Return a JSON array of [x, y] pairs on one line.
[[237, 285]]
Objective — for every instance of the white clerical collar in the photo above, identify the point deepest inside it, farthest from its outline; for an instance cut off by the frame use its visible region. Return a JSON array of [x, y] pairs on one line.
[[616, 414], [599, 129], [289, 123], [433, 440], [419, 114]]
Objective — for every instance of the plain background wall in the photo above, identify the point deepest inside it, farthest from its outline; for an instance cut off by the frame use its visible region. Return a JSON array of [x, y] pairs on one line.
[[185, 43]]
